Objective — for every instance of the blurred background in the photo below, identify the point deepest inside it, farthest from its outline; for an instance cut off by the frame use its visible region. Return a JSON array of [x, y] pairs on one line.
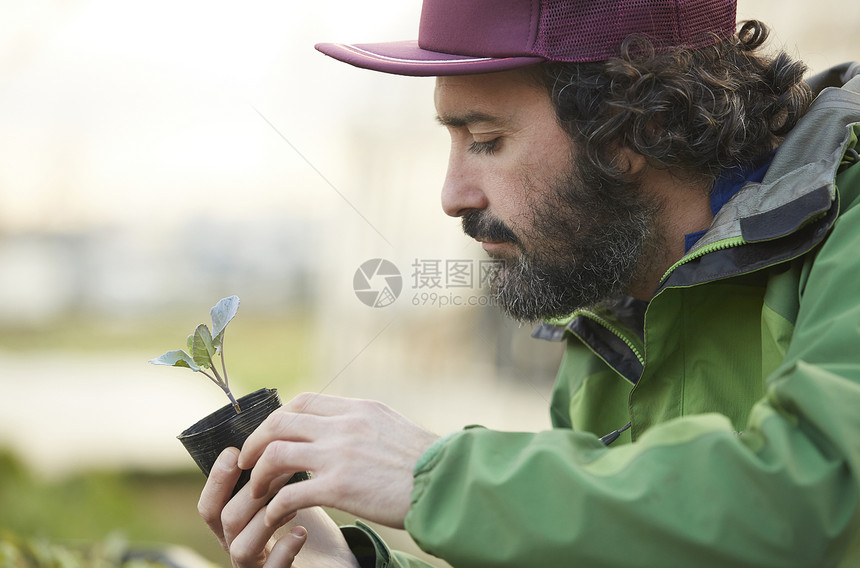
[[156, 157]]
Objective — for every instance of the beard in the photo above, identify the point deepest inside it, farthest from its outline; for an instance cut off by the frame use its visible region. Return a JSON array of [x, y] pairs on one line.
[[588, 237]]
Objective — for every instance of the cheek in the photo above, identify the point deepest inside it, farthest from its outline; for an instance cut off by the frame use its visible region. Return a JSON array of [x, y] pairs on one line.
[[545, 157], [535, 180], [558, 155], [522, 184], [509, 194]]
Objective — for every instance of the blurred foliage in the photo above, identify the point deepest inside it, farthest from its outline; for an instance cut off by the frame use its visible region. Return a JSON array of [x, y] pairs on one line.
[[95, 514], [113, 552]]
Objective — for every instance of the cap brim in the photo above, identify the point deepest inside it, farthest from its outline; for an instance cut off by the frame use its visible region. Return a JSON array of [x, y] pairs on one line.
[[406, 58]]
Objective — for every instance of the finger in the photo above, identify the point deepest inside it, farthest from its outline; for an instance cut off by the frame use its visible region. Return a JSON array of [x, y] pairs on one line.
[[239, 512], [319, 404], [279, 457], [218, 490], [249, 547], [287, 548], [293, 497], [303, 419], [280, 425]]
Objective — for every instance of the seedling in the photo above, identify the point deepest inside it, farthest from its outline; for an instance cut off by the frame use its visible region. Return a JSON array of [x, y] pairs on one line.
[[205, 345]]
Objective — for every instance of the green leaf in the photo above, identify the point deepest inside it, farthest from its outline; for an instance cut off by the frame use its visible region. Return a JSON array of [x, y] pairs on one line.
[[221, 313], [202, 348], [177, 358]]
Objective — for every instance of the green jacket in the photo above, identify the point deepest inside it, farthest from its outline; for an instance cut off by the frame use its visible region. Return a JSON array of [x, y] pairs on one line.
[[741, 382]]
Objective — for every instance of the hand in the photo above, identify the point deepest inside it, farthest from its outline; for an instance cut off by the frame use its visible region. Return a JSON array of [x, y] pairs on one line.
[[325, 546], [361, 455], [311, 539]]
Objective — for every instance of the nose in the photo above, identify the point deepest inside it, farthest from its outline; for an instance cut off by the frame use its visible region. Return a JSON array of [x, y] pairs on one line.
[[462, 191]]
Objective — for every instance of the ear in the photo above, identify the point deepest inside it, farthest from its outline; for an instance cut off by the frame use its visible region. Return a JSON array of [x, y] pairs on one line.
[[631, 161]]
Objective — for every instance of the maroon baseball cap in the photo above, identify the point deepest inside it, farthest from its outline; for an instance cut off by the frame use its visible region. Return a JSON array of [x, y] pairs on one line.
[[459, 37]]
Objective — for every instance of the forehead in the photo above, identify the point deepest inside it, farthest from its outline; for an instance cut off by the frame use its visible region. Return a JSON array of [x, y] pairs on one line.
[[507, 95]]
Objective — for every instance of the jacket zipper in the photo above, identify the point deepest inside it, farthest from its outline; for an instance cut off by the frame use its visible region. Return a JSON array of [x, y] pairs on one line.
[[612, 436], [719, 245], [615, 331]]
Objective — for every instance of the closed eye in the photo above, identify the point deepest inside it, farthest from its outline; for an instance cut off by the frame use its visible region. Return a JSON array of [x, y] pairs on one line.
[[488, 147]]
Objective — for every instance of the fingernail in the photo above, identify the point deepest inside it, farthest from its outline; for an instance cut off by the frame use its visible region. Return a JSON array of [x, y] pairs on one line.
[[299, 532], [242, 461], [227, 460]]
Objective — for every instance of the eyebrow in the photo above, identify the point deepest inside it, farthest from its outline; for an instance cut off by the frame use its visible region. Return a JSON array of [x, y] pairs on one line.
[[467, 119]]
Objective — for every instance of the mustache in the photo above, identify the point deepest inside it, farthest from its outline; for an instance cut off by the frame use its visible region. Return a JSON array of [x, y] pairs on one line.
[[480, 225]]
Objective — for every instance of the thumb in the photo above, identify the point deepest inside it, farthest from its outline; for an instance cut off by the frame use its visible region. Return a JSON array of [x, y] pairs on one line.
[[287, 548]]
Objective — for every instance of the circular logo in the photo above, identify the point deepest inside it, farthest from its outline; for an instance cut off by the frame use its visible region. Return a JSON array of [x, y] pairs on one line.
[[377, 283]]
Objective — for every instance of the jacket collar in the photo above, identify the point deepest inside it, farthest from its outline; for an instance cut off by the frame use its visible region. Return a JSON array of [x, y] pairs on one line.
[[799, 185]]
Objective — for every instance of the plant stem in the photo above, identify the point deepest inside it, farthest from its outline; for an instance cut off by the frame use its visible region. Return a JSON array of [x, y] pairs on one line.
[[211, 378], [232, 399], [223, 364], [224, 388], [219, 381]]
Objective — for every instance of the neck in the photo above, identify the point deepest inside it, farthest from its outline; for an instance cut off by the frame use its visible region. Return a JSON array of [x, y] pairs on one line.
[[685, 208]]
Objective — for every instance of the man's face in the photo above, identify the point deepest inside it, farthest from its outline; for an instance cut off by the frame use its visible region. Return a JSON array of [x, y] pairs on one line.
[[570, 237]]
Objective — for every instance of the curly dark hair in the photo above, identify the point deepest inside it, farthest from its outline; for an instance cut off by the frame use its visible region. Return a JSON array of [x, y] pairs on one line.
[[696, 111]]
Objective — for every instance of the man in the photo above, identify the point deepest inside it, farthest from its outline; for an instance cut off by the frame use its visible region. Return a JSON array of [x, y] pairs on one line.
[[668, 202]]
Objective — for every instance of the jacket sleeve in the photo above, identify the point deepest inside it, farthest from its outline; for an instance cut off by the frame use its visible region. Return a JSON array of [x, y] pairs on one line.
[[372, 552], [688, 492]]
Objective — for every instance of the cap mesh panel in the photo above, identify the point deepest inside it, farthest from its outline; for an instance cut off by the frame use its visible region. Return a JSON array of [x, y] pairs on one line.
[[592, 30]]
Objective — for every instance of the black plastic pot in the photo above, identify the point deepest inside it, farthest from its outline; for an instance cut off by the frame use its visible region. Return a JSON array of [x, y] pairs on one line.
[[224, 428]]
